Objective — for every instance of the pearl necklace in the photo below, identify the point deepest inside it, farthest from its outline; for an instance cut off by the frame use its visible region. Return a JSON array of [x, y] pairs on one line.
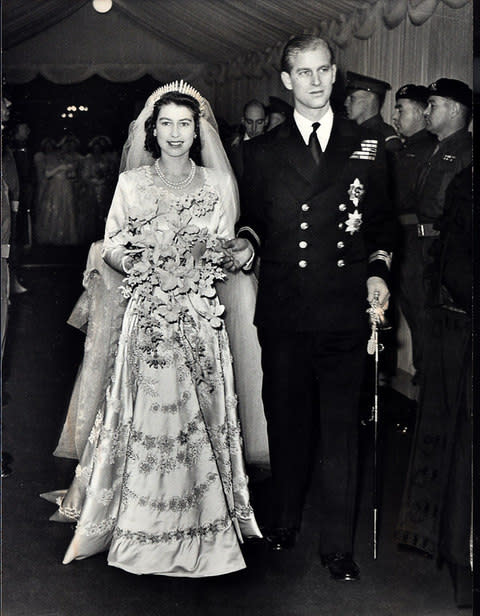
[[180, 184]]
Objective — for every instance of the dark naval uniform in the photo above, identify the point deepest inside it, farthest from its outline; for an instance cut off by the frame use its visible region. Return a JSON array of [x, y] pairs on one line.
[[320, 232], [355, 82], [407, 164], [393, 143]]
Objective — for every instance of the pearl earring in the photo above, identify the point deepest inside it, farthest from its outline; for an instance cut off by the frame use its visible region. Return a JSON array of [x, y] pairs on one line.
[[154, 132]]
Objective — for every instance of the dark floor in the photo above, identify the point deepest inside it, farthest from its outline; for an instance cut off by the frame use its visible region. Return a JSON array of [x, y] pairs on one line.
[[40, 364]]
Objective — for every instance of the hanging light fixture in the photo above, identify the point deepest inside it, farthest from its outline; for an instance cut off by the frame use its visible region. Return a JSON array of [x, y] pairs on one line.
[[102, 6]]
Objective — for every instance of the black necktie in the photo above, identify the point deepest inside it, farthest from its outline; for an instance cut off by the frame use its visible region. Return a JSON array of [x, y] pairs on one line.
[[314, 145]]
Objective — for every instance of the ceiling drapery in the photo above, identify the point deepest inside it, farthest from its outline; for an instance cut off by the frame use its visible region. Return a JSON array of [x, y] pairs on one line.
[[227, 39], [22, 19], [360, 23]]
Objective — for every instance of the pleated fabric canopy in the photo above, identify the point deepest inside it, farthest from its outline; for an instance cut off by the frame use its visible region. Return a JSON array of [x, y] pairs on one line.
[[226, 38]]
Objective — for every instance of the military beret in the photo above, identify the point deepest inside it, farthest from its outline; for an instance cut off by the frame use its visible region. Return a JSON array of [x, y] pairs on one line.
[[413, 92], [278, 105], [362, 82], [451, 88]]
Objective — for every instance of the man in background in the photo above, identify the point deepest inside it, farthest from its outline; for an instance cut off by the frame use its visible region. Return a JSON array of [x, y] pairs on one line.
[[22, 153], [254, 123], [364, 101], [417, 146], [447, 117]]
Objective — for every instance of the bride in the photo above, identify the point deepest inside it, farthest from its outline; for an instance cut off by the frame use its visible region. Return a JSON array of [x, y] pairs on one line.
[[99, 313], [161, 482]]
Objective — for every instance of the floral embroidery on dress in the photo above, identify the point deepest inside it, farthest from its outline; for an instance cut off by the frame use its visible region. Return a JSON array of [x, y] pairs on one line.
[[174, 407], [93, 530], [165, 453], [212, 528], [176, 503], [105, 495]]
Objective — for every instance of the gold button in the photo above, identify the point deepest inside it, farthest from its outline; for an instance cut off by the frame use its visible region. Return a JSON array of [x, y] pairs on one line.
[[342, 207], [340, 263], [303, 244], [305, 207], [304, 225], [340, 245], [302, 263]]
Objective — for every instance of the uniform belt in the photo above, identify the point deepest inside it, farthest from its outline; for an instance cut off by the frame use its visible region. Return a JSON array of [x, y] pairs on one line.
[[426, 230], [5, 251], [408, 219]]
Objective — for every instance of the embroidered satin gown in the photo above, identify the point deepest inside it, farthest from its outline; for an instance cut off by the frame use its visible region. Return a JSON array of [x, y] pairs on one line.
[[161, 483]]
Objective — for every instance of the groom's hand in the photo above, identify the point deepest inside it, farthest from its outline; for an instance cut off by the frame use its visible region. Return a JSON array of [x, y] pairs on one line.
[[377, 288], [238, 252]]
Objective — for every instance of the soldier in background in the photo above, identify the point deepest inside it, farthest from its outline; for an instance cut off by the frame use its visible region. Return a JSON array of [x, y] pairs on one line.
[[365, 98], [447, 117], [418, 145]]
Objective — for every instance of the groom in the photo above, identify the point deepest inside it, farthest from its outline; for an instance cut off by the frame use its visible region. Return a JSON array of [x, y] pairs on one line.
[[315, 210]]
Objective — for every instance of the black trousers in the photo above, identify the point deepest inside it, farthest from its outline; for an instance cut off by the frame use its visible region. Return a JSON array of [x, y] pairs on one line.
[[411, 288], [311, 391]]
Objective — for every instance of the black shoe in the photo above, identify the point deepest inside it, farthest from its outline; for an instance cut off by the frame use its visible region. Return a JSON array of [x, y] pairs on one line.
[[342, 567], [281, 539]]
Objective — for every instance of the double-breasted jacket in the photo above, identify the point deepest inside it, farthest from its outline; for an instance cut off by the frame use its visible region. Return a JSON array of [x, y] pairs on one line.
[[319, 231]]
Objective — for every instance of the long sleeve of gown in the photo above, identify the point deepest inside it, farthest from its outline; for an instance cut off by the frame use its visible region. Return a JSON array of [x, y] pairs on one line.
[[113, 250], [229, 207]]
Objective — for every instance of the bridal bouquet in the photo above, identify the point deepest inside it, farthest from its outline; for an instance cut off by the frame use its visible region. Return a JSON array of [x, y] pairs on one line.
[[171, 269]]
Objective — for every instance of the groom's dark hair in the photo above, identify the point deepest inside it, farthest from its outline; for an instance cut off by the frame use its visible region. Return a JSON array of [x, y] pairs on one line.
[[303, 42]]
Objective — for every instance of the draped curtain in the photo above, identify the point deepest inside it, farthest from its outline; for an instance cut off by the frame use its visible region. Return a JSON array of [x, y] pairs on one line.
[[231, 49], [441, 46]]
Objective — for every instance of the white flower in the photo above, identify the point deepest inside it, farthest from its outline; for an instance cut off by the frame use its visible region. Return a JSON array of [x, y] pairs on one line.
[[356, 191], [354, 222]]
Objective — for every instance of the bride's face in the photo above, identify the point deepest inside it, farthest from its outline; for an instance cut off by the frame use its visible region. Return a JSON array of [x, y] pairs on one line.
[[175, 130]]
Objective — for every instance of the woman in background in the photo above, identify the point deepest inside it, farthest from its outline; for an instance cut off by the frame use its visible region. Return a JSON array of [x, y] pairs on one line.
[[57, 221], [99, 174]]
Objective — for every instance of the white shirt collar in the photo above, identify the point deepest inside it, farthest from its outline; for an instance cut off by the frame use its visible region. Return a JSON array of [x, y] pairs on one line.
[[323, 131]]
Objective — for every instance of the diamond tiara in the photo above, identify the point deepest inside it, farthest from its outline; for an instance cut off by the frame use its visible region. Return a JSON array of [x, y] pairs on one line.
[[178, 86]]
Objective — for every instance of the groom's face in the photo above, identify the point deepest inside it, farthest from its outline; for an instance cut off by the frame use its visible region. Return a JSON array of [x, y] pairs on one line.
[[310, 79]]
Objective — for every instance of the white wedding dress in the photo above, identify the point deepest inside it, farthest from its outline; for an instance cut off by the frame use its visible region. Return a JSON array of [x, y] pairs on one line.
[[161, 482]]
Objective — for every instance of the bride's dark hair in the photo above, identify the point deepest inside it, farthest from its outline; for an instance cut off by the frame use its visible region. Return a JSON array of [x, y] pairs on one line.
[[182, 100]]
